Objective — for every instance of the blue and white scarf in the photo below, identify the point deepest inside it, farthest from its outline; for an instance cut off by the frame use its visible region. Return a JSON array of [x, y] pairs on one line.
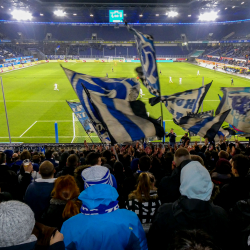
[[101, 209]]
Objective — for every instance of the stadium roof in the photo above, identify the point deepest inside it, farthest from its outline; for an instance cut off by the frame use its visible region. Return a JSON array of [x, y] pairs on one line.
[[151, 10]]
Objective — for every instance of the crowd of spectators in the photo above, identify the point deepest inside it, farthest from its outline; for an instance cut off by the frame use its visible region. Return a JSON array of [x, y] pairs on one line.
[[139, 196]]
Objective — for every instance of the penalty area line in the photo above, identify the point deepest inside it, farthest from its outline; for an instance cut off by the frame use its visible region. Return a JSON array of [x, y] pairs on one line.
[[27, 129]]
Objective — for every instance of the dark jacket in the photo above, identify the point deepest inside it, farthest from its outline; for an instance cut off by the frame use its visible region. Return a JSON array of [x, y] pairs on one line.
[[221, 179], [65, 171], [32, 246], [238, 189], [37, 196], [168, 189], [171, 136], [188, 214], [53, 216]]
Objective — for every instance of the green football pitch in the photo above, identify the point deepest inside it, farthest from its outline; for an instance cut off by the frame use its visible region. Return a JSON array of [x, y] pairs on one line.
[[33, 106]]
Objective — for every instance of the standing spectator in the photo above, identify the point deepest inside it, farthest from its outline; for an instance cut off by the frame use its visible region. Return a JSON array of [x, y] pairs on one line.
[[64, 203], [168, 189], [38, 193], [16, 226], [101, 224], [63, 161], [193, 210], [144, 200], [172, 137], [185, 140], [239, 187], [49, 157], [71, 165]]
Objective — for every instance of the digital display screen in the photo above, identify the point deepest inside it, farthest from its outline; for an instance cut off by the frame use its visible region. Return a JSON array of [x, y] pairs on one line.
[[116, 16]]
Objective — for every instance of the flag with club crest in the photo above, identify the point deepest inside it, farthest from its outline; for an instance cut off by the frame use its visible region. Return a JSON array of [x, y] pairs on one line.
[[238, 101], [207, 127], [82, 116], [148, 71], [180, 104]]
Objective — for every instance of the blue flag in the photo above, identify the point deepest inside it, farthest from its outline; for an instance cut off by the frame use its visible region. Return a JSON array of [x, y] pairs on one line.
[[207, 127], [120, 88], [180, 104], [238, 100], [148, 70], [82, 116], [57, 48]]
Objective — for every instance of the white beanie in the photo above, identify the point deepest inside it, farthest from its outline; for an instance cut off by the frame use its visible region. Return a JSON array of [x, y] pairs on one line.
[[16, 223]]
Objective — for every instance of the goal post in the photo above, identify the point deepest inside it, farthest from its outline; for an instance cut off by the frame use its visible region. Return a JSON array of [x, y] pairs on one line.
[[116, 59], [79, 133]]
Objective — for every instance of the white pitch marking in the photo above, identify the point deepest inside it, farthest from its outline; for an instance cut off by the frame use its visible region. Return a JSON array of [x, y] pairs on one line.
[[27, 129]]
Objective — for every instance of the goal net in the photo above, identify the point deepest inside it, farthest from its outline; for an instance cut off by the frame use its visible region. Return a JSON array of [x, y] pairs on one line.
[[116, 59], [80, 135]]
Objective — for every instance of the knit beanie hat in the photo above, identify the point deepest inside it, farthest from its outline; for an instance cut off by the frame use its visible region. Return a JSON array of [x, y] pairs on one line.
[[134, 164], [96, 175], [16, 223], [196, 182]]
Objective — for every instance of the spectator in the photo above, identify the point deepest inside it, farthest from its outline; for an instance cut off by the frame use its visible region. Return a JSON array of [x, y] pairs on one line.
[[63, 161], [108, 227], [49, 157], [8, 154], [168, 189], [17, 223], [144, 200], [8, 178], [197, 158], [130, 182], [239, 186], [25, 155], [192, 239], [221, 175], [64, 203], [38, 193], [71, 165], [193, 210], [185, 140], [36, 161], [223, 155], [172, 137]]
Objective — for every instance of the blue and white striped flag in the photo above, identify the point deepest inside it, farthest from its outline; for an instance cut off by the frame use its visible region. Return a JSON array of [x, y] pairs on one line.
[[238, 100], [119, 88], [82, 116], [57, 48], [148, 70], [207, 127], [180, 104]]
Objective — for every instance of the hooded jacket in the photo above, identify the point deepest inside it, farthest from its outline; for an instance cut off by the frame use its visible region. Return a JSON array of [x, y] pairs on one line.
[[193, 210], [119, 229]]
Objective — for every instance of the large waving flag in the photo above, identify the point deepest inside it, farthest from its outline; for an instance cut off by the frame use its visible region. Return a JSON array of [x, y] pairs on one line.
[[126, 121], [148, 71], [207, 127], [238, 100], [180, 104], [82, 116]]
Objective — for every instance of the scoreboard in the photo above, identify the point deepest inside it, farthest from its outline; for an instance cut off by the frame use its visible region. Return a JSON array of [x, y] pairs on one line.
[[115, 16]]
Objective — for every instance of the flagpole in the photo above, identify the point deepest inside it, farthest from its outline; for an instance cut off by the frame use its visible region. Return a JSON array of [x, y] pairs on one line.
[[6, 114], [202, 102]]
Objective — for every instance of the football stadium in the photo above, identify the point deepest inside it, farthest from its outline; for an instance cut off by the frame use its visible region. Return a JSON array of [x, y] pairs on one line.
[[135, 112]]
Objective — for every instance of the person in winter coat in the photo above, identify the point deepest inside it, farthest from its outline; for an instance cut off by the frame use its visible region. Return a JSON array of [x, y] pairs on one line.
[[193, 210], [144, 200], [38, 193], [168, 189], [221, 175], [17, 223], [239, 187], [71, 165], [64, 203], [101, 224], [172, 137]]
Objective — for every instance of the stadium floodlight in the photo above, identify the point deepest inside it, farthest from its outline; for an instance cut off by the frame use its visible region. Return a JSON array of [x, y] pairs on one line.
[[233, 7], [157, 14], [189, 15], [140, 15], [74, 14], [41, 14], [242, 2], [172, 14], [59, 13], [2, 7], [21, 15], [226, 8], [91, 15], [209, 16], [124, 14]]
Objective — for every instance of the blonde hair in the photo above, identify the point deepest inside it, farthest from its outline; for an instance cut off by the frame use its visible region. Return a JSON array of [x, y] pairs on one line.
[[144, 185]]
